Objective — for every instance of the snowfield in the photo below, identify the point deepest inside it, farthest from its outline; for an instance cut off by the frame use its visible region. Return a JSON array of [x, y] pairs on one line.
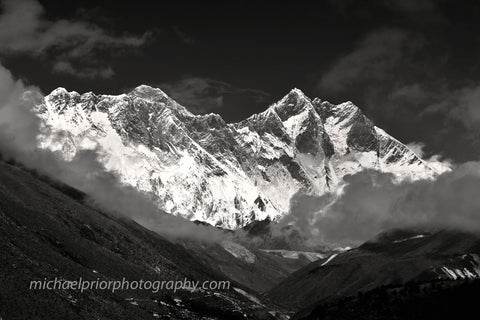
[[225, 174]]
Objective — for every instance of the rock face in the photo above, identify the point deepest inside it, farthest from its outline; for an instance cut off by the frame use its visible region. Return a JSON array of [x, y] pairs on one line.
[[226, 174]]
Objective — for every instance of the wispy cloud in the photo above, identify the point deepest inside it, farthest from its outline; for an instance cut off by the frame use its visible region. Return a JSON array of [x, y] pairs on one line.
[[67, 67], [182, 35], [437, 162], [374, 59], [25, 29], [202, 95], [396, 77], [416, 11]]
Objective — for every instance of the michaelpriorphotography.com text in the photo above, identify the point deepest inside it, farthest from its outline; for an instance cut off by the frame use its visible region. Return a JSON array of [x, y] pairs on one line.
[[154, 286]]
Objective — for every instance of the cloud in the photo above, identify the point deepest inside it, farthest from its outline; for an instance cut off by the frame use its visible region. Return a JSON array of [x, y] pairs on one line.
[[24, 29], [390, 72], [19, 129], [374, 59], [372, 203], [18, 126], [66, 67], [412, 6], [417, 11], [468, 106], [203, 95], [397, 77], [187, 39], [417, 148], [437, 162]]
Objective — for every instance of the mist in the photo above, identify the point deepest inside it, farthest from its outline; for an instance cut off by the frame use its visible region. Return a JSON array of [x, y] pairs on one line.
[[19, 129], [373, 202]]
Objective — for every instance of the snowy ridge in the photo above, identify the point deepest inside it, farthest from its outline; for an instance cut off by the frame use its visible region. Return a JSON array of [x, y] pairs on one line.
[[465, 267], [329, 259], [293, 254], [228, 175]]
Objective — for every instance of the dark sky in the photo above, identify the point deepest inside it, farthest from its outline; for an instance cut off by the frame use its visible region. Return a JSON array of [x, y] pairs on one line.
[[411, 65]]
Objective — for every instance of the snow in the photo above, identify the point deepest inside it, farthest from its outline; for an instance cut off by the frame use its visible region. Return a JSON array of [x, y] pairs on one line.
[[450, 273], [218, 187], [338, 134], [293, 254], [471, 271], [457, 274], [294, 125], [418, 236], [329, 259]]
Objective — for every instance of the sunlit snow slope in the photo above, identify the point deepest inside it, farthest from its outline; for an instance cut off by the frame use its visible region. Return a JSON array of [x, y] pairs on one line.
[[228, 175]]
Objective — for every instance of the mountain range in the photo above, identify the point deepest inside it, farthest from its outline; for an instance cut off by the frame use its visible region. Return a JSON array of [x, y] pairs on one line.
[[221, 176], [48, 230], [225, 174]]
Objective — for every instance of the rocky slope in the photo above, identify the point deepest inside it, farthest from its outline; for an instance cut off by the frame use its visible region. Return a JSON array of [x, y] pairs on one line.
[[395, 258], [48, 232], [225, 174]]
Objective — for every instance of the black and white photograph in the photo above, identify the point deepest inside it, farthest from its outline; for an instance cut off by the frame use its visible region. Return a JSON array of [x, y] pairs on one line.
[[250, 160]]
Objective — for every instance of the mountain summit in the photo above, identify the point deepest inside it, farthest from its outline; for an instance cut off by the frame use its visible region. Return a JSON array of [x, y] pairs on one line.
[[226, 174]]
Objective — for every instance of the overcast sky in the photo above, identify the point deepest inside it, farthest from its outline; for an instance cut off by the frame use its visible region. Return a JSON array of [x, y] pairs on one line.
[[411, 65]]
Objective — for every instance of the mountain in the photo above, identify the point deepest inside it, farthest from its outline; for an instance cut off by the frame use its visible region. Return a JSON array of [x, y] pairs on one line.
[[48, 232], [225, 174], [394, 258], [259, 270]]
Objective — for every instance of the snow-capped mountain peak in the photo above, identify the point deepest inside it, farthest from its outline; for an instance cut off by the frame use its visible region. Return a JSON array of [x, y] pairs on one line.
[[150, 94], [228, 175], [292, 104]]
